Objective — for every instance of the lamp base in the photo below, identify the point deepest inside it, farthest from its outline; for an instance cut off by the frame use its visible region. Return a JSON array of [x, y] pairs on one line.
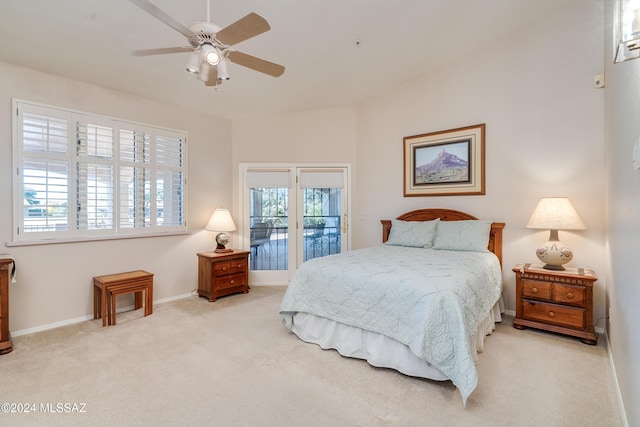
[[553, 253], [553, 267], [220, 249], [222, 239]]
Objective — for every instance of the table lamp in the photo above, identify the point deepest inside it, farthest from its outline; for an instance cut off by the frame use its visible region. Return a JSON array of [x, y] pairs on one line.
[[221, 221], [555, 213]]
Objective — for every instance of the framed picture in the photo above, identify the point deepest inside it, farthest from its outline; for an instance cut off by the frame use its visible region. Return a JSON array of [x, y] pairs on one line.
[[445, 163]]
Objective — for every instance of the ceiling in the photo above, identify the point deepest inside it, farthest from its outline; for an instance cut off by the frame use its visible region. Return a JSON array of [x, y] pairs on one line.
[[336, 52]]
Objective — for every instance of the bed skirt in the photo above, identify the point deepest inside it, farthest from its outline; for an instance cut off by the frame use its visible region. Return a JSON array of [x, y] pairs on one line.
[[379, 350]]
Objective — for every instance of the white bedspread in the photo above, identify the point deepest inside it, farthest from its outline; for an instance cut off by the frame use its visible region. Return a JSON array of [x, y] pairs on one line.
[[430, 300]]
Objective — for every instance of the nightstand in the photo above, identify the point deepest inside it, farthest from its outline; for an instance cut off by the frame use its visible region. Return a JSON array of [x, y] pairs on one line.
[[6, 264], [556, 301], [221, 274]]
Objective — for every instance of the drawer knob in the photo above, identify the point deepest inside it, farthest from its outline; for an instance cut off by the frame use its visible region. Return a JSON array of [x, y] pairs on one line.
[[534, 290], [570, 295], [239, 265], [232, 281], [224, 268], [552, 314]]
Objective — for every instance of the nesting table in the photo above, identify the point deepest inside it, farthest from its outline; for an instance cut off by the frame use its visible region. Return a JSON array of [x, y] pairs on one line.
[[107, 288]]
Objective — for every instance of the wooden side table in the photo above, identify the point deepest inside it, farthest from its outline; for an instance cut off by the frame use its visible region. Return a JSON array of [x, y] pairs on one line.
[[6, 346], [107, 288], [221, 274], [556, 301]]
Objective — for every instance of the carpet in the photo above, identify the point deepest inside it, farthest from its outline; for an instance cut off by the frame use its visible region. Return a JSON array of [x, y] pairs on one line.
[[232, 363]]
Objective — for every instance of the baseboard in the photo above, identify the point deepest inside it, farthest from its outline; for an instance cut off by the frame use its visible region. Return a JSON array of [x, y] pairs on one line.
[[51, 326], [616, 385], [85, 318]]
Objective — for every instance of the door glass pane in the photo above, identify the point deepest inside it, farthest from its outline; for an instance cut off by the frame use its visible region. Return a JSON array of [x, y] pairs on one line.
[[269, 231], [321, 222]]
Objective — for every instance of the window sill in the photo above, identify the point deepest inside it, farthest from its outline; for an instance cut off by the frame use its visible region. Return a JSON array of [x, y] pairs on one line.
[[93, 239]]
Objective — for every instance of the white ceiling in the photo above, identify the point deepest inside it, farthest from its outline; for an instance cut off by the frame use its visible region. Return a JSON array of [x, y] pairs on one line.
[[316, 40]]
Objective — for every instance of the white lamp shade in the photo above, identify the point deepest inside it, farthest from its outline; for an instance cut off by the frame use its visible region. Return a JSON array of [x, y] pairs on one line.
[[223, 74], [193, 66], [221, 221], [203, 73], [555, 213]]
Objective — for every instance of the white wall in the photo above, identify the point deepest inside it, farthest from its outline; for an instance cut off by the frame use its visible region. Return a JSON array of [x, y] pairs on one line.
[[544, 137], [545, 132], [319, 136], [54, 281], [622, 109]]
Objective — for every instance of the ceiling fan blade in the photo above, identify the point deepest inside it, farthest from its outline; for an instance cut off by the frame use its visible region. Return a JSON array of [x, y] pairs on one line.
[[213, 77], [243, 29], [257, 64], [159, 51], [154, 11]]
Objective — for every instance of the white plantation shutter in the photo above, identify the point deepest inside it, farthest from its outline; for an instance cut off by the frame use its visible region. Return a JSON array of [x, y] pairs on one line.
[[86, 175], [44, 168], [41, 133], [170, 152], [94, 174], [135, 177]]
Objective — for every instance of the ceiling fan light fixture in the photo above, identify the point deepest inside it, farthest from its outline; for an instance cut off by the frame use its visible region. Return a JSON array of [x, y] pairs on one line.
[[223, 74], [213, 58], [210, 54], [193, 66], [209, 50], [203, 72]]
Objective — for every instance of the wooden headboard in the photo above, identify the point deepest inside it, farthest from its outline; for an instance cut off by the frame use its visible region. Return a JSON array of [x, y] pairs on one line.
[[495, 235]]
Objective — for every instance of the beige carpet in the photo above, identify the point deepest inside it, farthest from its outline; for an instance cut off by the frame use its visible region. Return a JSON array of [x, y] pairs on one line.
[[232, 363]]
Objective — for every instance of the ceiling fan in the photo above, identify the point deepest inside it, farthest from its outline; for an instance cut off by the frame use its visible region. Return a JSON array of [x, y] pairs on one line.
[[210, 45]]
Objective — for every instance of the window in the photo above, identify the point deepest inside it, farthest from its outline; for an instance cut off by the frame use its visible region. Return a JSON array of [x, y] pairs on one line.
[[87, 176], [627, 30]]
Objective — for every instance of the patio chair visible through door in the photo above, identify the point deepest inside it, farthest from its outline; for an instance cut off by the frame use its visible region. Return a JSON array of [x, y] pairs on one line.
[[260, 234]]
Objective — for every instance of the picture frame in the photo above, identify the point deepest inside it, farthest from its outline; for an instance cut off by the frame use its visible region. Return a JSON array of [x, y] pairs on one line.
[[445, 163]]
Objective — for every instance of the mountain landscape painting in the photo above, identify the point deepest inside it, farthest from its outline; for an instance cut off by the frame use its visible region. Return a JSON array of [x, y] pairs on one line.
[[442, 164], [445, 163]]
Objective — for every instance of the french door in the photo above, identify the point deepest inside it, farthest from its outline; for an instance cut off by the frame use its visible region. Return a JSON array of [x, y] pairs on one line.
[[292, 214]]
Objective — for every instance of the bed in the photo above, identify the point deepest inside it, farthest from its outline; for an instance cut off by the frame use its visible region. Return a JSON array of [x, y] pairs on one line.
[[421, 303]]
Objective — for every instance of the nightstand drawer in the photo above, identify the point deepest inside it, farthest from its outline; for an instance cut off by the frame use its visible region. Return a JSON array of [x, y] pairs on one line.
[[565, 294], [555, 314], [536, 289], [229, 267], [231, 281]]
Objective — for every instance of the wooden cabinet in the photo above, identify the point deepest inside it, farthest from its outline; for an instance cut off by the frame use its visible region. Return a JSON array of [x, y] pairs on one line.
[[556, 301], [221, 274], [6, 263]]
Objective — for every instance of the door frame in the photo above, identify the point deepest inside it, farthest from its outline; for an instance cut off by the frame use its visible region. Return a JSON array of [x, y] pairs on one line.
[[282, 277]]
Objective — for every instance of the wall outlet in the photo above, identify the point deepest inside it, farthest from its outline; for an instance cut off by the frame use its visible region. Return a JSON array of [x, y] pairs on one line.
[[598, 81]]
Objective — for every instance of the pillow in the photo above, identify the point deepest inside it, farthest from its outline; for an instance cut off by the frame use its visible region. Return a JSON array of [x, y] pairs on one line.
[[417, 234], [471, 235]]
